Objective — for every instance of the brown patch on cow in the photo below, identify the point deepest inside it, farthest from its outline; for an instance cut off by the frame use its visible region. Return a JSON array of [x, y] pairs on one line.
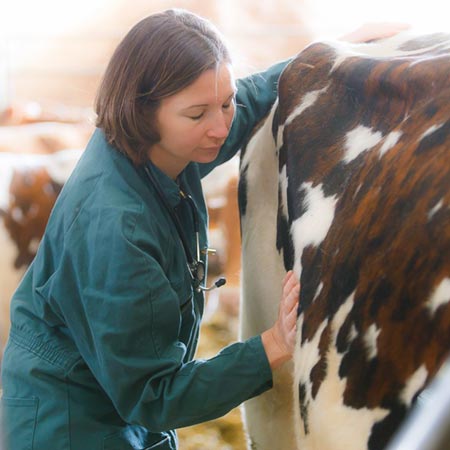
[[319, 371], [32, 196]]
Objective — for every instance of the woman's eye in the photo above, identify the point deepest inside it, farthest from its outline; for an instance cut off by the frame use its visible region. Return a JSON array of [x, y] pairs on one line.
[[198, 117], [227, 105]]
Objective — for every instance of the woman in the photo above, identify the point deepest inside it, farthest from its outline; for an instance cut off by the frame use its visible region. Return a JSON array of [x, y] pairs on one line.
[[105, 322]]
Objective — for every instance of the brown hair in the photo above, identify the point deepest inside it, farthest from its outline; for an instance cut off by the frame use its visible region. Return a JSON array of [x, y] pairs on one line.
[[158, 57]]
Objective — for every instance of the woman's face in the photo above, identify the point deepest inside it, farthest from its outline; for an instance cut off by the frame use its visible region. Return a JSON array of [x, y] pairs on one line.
[[194, 123]]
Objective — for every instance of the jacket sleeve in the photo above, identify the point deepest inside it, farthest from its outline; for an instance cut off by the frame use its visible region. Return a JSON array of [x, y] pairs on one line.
[[255, 96], [125, 319]]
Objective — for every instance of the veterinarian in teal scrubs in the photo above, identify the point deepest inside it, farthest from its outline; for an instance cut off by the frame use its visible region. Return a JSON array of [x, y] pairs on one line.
[[105, 323]]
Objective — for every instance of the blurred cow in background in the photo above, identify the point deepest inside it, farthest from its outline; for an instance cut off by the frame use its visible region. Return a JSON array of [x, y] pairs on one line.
[[348, 182], [38, 149], [29, 185]]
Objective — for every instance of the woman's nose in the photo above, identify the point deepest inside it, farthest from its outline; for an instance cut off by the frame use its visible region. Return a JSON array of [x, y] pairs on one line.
[[219, 127]]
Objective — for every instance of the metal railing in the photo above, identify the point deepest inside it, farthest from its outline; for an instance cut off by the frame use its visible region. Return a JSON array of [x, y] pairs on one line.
[[428, 425]]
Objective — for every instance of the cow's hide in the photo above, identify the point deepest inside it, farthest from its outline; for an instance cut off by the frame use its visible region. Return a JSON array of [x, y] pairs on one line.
[[348, 182]]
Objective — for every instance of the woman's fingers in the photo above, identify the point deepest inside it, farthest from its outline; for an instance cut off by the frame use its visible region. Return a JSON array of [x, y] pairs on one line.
[[289, 275], [279, 341], [289, 282], [289, 306], [291, 301], [292, 315]]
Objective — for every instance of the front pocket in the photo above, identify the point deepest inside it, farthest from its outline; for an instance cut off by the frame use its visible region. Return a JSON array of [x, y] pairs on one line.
[[19, 417], [185, 295], [187, 303]]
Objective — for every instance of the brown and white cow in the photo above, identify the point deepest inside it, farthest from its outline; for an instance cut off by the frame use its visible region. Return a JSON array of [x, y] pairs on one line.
[[348, 182], [29, 185], [38, 149]]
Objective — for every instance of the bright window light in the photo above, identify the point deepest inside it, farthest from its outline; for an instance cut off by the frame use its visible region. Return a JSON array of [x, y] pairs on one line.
[[331, 17]]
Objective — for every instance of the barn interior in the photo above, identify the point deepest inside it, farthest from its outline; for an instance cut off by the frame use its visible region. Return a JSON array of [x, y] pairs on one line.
[[52, 57]]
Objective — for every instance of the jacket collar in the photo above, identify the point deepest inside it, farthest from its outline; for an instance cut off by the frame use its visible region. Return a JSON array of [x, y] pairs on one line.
[[169, 187]]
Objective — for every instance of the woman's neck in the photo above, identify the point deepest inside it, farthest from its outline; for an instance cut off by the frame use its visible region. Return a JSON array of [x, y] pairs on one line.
[[172, 167]]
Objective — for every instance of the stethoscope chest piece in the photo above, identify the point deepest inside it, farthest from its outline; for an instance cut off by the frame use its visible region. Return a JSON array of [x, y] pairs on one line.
[[196, 267]]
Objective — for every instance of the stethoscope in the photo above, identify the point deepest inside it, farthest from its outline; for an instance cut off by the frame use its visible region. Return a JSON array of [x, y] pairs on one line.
[[196, 266]]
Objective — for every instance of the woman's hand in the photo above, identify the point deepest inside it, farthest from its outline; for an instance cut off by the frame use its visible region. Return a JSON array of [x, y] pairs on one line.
[[279, 340], [372, 31]]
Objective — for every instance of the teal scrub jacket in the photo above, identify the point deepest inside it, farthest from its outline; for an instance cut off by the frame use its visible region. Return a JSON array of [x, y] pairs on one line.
[[105, 322]]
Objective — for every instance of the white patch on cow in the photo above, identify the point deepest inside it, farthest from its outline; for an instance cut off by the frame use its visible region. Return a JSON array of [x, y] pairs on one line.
[[353, 334], [279, 138], [6, 174], [383, 48], [342, 314], [34, 210], [393, 46], [283, 187], [48, 189], [441, 48], [310, 348], [389, 141], [357, 190], [307, 101], [440, 296], [435, 209], [430, 130], [62, 164], [17, 214], [29, 178], [312, 227], [370, 339], [259, 236], [34, 245], [306, 357], [358, 141], [414, 384], [270, 412], [330, 431], [318, 291]]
